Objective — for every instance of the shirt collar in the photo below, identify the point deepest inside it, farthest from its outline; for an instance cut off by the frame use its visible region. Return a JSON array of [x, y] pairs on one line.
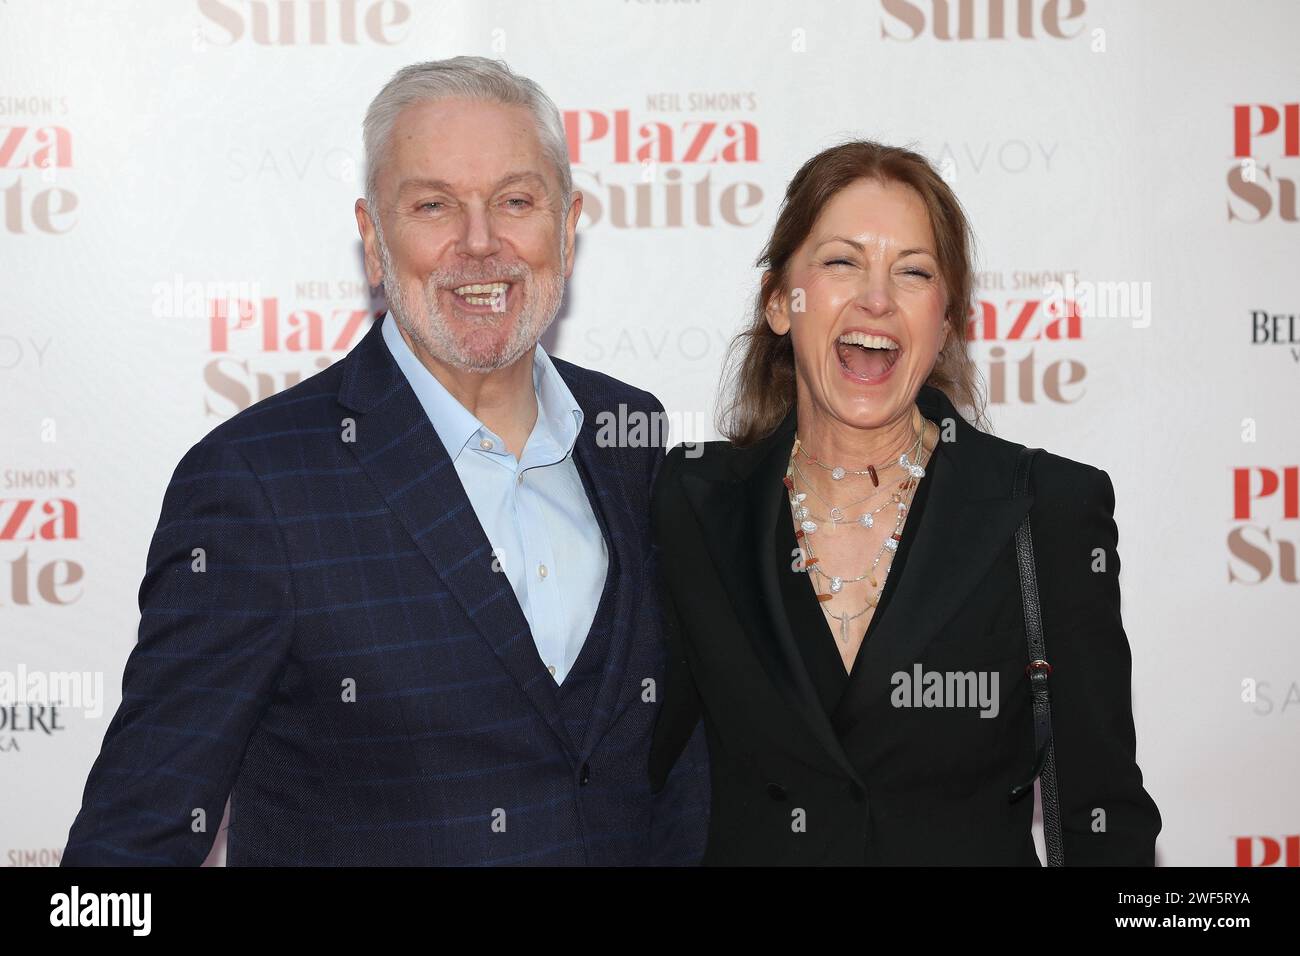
[[559, 417]]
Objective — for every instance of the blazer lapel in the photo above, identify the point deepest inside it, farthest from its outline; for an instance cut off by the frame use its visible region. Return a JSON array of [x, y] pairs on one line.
[[627, 553], [738, 518], [969, 517], [397, 446]]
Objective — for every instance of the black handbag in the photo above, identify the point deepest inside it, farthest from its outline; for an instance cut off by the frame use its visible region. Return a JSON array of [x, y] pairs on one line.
[[1039, 671]]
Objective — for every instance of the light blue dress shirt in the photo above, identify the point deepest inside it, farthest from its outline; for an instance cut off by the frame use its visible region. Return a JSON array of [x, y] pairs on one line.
[[534, 509]]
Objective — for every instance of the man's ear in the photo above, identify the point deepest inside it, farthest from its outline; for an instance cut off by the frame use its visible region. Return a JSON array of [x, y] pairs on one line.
[[570, 231], [778, 318], [374, 265]]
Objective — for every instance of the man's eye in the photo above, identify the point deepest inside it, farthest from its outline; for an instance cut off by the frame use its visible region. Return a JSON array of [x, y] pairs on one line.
[[429, 205], [520, 201]]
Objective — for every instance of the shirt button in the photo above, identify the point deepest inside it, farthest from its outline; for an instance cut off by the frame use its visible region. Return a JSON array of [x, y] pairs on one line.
[[551, 668], [485, 444], [541, 570]]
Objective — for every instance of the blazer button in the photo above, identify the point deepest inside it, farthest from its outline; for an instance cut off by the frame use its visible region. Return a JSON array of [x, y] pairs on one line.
[[776, 791], [584, 775], [857, 793]]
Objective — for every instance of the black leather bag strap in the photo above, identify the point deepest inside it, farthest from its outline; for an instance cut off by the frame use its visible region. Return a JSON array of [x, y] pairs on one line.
[[1039, 670]]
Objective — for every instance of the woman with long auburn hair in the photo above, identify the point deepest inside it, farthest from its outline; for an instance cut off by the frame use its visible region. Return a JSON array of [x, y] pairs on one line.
[[884, 658]]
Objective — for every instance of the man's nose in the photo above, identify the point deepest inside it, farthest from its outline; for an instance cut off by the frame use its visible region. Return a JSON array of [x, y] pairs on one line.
[[478, 233]]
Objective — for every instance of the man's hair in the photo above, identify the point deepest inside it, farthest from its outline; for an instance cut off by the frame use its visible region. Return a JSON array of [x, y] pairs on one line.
[[467, 77]]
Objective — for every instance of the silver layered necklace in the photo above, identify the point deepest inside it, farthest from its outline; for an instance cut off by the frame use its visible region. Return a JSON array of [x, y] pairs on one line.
[[806, 522]]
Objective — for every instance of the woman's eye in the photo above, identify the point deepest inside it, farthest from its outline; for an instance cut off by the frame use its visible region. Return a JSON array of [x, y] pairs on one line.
[[839, 262], [918, 272]]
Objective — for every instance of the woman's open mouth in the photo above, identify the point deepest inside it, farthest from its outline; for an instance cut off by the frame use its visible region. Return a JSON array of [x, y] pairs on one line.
[[867, 358]]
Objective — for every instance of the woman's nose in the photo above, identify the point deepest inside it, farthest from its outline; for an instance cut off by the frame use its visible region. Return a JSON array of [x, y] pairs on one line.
[[876, 295]]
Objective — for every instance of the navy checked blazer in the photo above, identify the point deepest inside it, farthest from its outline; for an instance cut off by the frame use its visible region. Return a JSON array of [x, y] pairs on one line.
[[342, 661]]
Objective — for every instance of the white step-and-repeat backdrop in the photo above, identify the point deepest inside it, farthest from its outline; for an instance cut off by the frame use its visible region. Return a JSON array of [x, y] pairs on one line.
[[162, 159]]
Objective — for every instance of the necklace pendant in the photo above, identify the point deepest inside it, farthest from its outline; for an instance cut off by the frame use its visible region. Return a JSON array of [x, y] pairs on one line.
[[808, 526], [891, 543], [837, 473], [875, 480], [801, 512], [837, 585], [866, 520], [837, 515], [916, 471]]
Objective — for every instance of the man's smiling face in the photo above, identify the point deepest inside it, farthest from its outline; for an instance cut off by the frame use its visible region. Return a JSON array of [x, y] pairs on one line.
[[475, 244]]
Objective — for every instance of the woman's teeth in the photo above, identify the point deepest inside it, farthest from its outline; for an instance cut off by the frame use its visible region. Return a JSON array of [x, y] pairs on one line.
[[482, 293], [867, 341]]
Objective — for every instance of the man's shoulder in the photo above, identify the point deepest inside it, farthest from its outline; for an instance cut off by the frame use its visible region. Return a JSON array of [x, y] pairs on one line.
[[590, 387], [269, 428]]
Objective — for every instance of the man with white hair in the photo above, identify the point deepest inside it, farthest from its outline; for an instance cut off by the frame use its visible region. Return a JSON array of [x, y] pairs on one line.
[[425, 629]]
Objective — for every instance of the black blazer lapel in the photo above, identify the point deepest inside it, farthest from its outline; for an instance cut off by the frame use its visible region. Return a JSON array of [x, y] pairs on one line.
[[969, 517], [737, 517], [397, 446]]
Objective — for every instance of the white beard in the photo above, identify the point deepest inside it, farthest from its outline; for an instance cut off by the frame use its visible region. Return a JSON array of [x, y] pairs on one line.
[[429, 328]]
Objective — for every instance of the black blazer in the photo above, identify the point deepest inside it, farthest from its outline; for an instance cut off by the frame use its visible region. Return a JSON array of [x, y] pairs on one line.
[[901, 785]]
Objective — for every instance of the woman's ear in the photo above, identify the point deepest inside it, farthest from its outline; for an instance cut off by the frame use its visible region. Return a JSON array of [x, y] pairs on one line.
[[778, 319]]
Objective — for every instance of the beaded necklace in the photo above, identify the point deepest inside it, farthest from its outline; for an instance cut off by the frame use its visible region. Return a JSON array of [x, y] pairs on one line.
[[901, 498]]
